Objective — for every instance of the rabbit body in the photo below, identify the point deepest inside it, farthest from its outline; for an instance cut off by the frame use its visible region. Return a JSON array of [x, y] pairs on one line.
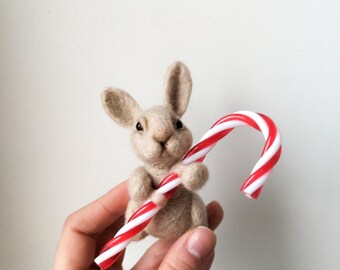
[[160, 140]]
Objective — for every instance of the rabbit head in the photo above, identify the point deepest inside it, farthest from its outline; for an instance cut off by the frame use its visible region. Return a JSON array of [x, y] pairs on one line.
[[158, 135]]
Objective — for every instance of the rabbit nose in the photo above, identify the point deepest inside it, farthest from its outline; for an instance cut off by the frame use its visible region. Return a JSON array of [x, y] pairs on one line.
[[162, 136]]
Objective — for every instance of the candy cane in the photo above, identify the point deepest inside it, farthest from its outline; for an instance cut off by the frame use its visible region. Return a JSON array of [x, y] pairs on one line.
[[251, 187]]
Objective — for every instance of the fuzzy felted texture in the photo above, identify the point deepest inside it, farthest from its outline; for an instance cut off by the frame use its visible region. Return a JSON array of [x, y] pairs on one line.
[[115, 101], [160, 140], [178, 85]]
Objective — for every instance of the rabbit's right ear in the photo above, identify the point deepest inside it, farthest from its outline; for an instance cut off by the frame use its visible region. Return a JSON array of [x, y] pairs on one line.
[[120, 106]]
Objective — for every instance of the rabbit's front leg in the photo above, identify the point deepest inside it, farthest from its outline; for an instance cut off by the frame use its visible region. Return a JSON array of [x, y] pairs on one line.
[[193, 176], [141, 188], [140, 185]]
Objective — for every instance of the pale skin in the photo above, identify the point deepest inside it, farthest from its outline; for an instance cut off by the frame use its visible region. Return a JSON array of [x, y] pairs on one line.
[[86, 231]]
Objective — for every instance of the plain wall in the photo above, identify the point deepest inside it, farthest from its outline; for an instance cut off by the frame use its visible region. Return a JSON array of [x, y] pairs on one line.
[[59, 150]]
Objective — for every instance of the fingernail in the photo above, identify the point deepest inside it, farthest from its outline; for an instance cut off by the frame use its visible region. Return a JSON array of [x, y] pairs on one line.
[[201, 242]]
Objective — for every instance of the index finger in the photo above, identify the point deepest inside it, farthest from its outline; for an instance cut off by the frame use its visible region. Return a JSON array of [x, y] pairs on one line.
[[94, 218], [77, 245]]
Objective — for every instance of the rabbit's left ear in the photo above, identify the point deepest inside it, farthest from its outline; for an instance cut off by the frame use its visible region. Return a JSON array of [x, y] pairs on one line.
[[178, 87]]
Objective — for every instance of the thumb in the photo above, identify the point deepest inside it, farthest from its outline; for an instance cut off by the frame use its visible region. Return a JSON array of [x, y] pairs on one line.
[[192, 251]]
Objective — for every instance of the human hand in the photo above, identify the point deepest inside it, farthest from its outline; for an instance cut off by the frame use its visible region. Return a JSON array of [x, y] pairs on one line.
[[88, 229]]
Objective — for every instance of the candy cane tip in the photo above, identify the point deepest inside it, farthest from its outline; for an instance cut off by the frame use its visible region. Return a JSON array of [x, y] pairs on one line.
[[249, 196]]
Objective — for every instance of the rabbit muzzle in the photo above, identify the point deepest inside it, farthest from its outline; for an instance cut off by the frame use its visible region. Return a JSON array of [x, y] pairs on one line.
[[162, 138]]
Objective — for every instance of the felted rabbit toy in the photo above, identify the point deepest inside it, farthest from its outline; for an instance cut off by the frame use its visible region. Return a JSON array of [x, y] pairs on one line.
[[160, 140]]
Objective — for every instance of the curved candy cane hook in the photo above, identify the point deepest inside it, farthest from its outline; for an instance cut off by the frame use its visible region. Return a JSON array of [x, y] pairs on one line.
[[251, 187]]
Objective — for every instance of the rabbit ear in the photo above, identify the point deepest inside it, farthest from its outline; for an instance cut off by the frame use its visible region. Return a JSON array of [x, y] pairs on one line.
[[120, 106], [178, 87]]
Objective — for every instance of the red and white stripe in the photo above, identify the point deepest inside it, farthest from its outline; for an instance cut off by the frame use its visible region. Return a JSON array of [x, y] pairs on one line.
[[251, 187]]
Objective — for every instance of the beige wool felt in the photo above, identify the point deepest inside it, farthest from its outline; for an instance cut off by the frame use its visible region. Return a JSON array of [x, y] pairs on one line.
[[160, 140]]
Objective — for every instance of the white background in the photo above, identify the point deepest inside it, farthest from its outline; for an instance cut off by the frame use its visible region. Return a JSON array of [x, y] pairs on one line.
[[59, 150]]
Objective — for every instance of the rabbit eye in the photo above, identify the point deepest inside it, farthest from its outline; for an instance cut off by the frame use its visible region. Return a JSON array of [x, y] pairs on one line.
[[179, 124], [139, 126]]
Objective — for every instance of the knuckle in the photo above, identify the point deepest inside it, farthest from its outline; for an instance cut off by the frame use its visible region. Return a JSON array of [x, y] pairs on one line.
[[70, 220]]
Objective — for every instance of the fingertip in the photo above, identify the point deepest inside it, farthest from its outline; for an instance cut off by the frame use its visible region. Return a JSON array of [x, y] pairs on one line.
[[215, 214], [193, 250], [201, 242]]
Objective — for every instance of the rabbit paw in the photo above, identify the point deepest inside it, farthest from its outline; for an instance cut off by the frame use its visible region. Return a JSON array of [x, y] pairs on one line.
[[193, 176]]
